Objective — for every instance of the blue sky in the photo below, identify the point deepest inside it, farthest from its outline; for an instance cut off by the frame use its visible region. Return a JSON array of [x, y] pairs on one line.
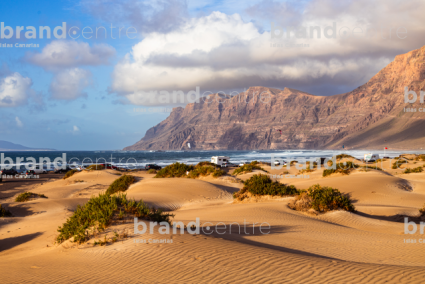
[[80, 94]]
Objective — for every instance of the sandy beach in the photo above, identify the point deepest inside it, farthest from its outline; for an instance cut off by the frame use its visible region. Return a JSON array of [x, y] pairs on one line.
[[368, 246]]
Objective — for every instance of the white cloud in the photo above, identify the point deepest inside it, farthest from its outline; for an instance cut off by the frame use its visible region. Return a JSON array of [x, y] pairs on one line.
[[65, 54], [75, 129], [64, 59], [14, 90], [223, 52], [19, 122], [69, 84]]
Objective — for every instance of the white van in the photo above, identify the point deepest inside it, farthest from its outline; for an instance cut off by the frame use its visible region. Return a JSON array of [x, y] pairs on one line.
[[371, 157], [220, 160]]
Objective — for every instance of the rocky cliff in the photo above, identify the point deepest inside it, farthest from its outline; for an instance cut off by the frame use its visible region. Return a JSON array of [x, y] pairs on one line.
[[371, 116]]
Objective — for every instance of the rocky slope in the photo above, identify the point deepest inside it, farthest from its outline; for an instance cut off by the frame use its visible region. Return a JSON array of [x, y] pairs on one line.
[[371, 116]]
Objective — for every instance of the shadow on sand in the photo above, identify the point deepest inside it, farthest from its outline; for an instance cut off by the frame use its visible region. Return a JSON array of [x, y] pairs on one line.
[[9, 243], [240, 234]]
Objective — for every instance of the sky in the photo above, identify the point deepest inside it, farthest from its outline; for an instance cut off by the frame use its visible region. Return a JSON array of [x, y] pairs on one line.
[[95, 83]]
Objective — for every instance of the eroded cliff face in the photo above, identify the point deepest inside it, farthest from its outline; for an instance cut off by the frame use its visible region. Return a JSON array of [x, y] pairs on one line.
[[370, 116]]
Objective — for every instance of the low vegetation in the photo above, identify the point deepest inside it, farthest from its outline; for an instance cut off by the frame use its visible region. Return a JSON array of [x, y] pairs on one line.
[[152, 171], [316, 197], [260, 184], [311, 164], [4, 212], [414, 170], [205, 169], [322, 199], [26, 196], [180, 170], [342, 156], [420, 158], [120, 184], [343, 168], [310, 168], [100, 212], [206, 163], [397, 163], [95, 167], [115, 237], [174, 170], [248, 168], [218, 173], [328, 198], [406, 157], [70, 173], [422, 210]]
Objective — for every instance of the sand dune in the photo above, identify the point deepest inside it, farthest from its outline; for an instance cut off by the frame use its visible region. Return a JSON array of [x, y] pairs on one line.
[[336, 247], [174, 193]]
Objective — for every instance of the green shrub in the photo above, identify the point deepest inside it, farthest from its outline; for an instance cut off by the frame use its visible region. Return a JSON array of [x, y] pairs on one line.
[[218, 173], [28, 196], [206, 163], [120, 184], [201, 171], [99, 212], [95, 167], [398, 162], [403, 156], [341, 156], [70, 173], [328, 198], [174, 170], [414, 170], [309, 166], [263, 185], [152, 171], [341, 168], [204, 170], [417, 170], [422, 210], [248, 168], [308, 169], [4, 212], [420, 157]]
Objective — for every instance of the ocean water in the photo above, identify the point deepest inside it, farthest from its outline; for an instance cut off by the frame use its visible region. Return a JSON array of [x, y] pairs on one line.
[[138, 159]]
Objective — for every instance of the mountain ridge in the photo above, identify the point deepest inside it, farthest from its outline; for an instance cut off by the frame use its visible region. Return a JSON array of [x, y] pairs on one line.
[[9, 146], [371, 115]]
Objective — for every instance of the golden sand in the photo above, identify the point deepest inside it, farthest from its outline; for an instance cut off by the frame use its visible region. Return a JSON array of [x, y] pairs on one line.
[[336, 247]]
